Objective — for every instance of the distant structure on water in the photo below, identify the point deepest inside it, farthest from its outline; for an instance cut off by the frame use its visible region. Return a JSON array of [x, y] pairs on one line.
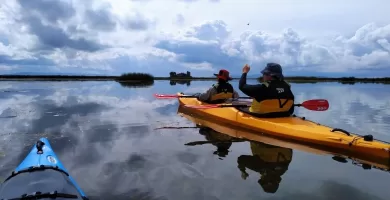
[[180, 82], [180, 75]]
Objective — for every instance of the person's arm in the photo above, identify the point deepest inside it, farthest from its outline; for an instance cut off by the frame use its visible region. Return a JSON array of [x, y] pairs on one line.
[[207, 95], [250, 90]]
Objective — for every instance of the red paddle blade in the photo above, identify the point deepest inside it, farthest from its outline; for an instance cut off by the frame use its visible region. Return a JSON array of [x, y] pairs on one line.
[[316, 104], [165, 96], [202, 106]]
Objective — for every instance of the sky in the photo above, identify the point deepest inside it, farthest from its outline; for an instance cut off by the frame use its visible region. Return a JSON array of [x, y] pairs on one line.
[[307, 37]]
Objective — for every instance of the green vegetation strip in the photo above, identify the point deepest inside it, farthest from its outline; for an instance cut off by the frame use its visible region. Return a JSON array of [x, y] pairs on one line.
[[148, 79]]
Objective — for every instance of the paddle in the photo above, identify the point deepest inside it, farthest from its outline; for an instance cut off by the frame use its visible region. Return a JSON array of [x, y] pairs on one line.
[[314, 104], [172, 96], [213, 141]]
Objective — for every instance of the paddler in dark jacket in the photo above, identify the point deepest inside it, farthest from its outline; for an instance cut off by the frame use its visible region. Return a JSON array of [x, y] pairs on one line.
[[271, 98], [270, 161], [220, 91]]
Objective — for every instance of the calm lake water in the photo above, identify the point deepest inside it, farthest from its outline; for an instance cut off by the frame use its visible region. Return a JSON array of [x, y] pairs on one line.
[[104, 134]]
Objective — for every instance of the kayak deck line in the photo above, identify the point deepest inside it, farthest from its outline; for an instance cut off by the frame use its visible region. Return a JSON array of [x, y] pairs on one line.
[[36, 168], [368, 138], [356, 138], [40, 195]]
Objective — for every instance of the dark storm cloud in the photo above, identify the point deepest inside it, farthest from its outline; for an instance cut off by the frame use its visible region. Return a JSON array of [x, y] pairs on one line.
[[50, 22], [101, 19], [50, 10], [54, 37], [138, 23]]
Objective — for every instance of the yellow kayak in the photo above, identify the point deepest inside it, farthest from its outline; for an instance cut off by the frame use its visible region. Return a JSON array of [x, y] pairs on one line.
[[367, 161], [295, 128]]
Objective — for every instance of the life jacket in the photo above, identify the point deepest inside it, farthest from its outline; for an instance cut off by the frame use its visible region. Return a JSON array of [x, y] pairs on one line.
[[224, 91], [277, 101]]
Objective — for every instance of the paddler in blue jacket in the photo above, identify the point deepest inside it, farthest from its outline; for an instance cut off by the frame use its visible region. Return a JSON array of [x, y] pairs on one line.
[[273, 97], [220, 91]]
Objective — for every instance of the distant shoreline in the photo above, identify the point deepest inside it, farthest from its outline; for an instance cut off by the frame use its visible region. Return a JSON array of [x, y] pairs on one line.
[[139, 77]]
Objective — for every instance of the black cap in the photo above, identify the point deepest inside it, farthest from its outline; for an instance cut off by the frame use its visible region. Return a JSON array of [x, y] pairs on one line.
[[273, 69]]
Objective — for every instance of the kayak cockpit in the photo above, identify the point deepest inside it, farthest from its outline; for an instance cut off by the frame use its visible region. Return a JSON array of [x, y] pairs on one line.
[[40, 184]]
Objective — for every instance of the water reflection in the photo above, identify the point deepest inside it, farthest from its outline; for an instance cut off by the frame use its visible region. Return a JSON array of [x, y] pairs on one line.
[[221, 141], [270, 161], [180, 82], [104, 134], [136, 84], [90, 129], [268, 151]]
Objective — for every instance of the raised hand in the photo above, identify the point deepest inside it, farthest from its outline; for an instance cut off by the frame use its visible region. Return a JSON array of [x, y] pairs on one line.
[[246, 68]]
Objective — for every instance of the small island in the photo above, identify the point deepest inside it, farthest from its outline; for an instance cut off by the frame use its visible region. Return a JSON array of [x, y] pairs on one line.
[[173, 76], [126, 79], [135, 80]]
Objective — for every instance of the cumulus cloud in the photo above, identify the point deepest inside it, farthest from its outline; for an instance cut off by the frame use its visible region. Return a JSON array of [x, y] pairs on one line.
[[210, 42], [115, 37], [51, 34]]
